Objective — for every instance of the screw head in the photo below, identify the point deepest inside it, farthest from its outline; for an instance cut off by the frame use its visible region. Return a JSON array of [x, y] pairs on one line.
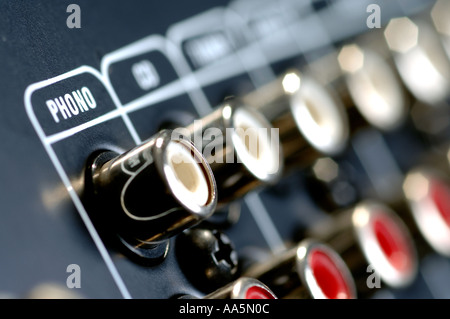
[[207, 257]]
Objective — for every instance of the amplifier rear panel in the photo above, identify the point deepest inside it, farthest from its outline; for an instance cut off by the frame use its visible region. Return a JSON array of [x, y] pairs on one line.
[[195, 54]]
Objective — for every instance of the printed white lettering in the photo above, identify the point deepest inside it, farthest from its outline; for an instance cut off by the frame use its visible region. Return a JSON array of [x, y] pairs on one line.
[[71, 104]]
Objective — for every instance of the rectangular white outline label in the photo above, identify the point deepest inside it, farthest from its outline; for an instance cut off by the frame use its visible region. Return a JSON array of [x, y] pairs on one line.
[[47, 142]]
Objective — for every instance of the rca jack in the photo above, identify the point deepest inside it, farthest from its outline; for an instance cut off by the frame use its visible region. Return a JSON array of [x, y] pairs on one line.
[[366, 82], [420, 59], [371, 88], [371, 237], [240, 289], [311, 120], [241, 147], [243, 288], [151, 193], [440, 15], [427, 193], [311, 270]]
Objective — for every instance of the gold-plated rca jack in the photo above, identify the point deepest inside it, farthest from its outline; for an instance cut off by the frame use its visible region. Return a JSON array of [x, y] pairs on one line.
[[371, 237], [151, 193], [427, 193], [242, 148], [311, 120], [311, 270], [240, 289], [366, 82], [243, 288], [370, 87], [420, 59], [440, 15]]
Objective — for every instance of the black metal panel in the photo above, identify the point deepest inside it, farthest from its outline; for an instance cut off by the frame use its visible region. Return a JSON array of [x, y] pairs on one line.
[[43, 227]]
